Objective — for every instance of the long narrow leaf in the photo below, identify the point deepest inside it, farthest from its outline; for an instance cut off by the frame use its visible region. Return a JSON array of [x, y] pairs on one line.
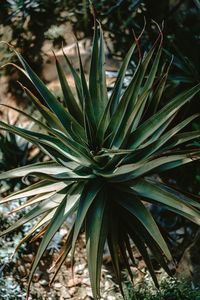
[[96, 233]]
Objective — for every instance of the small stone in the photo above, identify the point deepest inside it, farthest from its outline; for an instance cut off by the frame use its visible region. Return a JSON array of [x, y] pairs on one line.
[[108, 276], [28, 258], [86, 281], [89, 292], [107, 285], [65, 294], [85, 272], [79, 269], [82, 293], [73, 282], [57, 285], [111, 298], [52, 296], [72, 291], [43, 282], [37, 276], [21, 271]]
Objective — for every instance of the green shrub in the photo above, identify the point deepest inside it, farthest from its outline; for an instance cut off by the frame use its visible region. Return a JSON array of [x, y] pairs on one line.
[[103, 154], [170, 289]]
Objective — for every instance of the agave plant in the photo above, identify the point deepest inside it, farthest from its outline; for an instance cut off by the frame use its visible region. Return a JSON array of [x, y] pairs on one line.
[[103, 154], [15, 151]]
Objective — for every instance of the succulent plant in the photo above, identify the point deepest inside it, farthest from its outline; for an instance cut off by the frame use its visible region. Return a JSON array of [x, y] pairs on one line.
[[103, 154], [15, 152]]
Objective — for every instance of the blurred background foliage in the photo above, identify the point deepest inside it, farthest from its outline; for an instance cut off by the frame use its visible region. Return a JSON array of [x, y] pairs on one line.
[[26, 24]]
